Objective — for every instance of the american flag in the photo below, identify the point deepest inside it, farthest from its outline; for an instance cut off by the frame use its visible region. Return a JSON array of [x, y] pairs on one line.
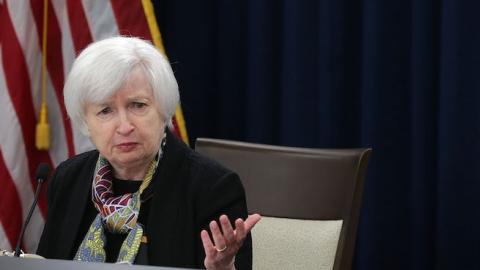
[[72, 25]]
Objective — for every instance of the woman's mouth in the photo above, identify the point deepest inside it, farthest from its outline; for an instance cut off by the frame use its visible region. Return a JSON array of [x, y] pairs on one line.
[[126, 147]]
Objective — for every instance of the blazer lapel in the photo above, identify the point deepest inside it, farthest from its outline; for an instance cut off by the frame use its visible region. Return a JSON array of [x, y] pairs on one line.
[[77, 206], [163, 215]]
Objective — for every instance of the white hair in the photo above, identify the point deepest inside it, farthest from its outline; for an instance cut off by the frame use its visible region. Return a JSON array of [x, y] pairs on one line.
[[102, 68]]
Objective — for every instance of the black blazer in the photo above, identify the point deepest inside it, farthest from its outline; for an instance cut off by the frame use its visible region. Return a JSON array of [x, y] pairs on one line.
[[189, 191]]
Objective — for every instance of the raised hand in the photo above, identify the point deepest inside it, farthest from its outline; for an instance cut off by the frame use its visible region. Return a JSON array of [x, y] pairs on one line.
[[220, 254]]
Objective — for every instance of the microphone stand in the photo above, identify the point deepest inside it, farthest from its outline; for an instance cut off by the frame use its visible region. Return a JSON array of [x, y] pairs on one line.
[[40, 180]]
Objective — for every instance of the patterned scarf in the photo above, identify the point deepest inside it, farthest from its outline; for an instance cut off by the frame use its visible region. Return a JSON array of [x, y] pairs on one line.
[[117, 214]]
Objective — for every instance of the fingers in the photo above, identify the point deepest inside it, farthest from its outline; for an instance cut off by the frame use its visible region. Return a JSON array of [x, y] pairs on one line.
[[221, 240], [227, 229], [207, 244], [218, 238], [220, 254], [227, 237], [251, 221], [240, 232], [242, 228]]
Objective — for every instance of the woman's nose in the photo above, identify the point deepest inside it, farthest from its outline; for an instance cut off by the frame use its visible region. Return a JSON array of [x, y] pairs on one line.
[[125, 125]]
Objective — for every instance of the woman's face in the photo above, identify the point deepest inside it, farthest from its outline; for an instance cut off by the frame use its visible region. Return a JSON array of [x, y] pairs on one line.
[[127, 129]]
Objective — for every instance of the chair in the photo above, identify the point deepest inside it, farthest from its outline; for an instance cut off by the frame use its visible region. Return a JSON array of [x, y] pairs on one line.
[[309, 199]]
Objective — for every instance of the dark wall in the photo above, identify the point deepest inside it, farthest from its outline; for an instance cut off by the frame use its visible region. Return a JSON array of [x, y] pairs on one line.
[[401, 77]]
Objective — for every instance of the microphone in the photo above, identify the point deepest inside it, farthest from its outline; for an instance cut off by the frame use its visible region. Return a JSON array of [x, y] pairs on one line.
[[41, 175]]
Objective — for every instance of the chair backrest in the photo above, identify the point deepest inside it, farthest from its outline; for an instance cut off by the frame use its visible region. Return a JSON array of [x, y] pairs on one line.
[[298, 187]]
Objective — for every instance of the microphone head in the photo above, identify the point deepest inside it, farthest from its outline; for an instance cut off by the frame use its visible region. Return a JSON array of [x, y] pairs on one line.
[[42, 171]]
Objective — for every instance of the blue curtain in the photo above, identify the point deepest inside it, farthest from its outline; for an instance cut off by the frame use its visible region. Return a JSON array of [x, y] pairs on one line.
[[402, 77]]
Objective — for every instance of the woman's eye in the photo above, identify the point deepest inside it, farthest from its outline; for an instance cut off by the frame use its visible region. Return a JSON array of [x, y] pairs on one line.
[[138, 107], [105, 111]]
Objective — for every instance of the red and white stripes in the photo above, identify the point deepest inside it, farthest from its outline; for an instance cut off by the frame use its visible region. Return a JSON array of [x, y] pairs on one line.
[[72, 25]]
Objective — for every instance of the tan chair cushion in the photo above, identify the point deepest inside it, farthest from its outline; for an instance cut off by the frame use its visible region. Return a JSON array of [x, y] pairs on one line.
[[282, 243]]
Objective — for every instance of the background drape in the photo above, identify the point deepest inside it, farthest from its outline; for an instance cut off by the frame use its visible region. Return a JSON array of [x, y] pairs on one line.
[[402, 77]]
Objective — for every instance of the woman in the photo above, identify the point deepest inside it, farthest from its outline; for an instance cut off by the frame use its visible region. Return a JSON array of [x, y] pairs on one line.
[[142, 196]]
